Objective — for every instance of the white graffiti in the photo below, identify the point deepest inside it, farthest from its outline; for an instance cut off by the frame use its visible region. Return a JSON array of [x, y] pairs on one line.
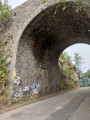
[[26, 88], [20, 90], [17, 94], [17, 80], [35, 91]]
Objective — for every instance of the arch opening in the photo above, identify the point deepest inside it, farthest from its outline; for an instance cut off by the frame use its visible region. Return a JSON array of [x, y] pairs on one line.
[[73, 63], [78, 55], [43, 41]]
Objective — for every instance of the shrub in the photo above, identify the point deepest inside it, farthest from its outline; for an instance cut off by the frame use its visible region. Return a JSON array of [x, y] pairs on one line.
[[5, 17], [3, 76], [5, 11]]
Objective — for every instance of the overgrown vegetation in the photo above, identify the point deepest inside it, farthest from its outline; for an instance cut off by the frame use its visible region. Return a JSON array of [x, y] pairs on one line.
[[79, 5], [85, 80], [87, 74], [66, 70], [3, 76], [5, 17], [78, 63], [5, 11]]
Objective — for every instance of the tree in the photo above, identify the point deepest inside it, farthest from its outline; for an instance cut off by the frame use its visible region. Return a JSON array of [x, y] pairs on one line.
[[65, 56], [67, 70], [87, 74], [78, 63], [5, 11]]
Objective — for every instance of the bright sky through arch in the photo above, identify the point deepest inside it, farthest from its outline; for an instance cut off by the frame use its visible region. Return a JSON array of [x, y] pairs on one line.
[[83, 50]]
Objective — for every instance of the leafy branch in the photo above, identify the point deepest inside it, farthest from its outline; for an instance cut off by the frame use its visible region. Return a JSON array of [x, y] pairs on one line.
[[5, 11]]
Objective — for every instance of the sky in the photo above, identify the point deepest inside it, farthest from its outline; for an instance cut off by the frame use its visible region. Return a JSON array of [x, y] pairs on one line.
[[15, 3], [82, 49]]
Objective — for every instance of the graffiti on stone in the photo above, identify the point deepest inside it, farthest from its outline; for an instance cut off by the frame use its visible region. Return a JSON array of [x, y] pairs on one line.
[[20, 90], [17, 94], [35, 91], [25, 82], [13, 91], [17, 80], [26, 89], [14, 74], [35, 88]]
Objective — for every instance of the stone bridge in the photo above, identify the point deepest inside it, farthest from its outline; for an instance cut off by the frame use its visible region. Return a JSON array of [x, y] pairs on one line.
[[40, 32]]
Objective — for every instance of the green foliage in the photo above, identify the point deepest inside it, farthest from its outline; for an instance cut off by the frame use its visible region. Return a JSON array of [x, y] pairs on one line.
[[66, 69], [79, 5], [44, 1], [5, 17], [41, 9], [64, 56], [72, 67], [24, 99], [5, 11], [64, 1], [64, 8], [87, 74], [67, 73], [78, 63], [65, 79], [3, 76]]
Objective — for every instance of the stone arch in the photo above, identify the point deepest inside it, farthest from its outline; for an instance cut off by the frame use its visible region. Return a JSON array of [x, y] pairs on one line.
[[42, 41]]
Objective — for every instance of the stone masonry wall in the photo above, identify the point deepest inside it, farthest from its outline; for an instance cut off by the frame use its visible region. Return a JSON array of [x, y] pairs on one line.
[[32, 68]]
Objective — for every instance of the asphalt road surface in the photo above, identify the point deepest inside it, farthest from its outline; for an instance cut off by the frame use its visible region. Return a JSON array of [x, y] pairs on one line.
[[73, 105]]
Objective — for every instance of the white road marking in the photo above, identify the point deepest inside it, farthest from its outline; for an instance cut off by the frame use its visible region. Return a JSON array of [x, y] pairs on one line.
[[58, 108]]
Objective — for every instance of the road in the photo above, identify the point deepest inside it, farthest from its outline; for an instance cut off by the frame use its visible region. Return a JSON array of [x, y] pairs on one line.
[[73, 105]]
